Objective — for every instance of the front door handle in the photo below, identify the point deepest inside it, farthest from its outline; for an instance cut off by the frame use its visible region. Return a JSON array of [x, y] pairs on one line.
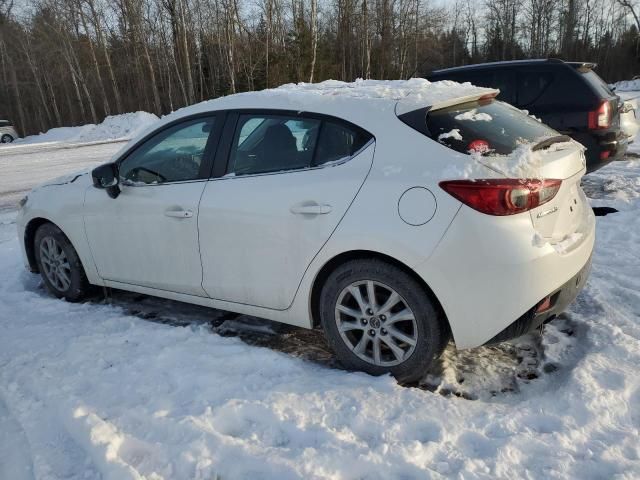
[[311, 208], [179, 213]]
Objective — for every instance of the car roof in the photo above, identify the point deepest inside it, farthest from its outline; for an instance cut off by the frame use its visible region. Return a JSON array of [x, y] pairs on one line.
[[506, 63], [363, 102]]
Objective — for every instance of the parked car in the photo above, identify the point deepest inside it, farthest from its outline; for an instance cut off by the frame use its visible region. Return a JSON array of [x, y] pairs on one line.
[[629, 121], [629, 93], [568, 96], [326, 207], [7, 133]]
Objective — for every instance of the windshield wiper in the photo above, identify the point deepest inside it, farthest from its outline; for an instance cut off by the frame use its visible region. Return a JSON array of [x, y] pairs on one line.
[[547, 142]]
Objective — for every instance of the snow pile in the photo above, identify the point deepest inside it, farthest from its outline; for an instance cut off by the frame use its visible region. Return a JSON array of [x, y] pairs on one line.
[[454, 133], [411, 93], [474, 116], [385, 89], [627, 85], [115, 127]]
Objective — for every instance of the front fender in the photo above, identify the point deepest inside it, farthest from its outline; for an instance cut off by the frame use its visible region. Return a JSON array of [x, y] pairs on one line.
[[62, 205]]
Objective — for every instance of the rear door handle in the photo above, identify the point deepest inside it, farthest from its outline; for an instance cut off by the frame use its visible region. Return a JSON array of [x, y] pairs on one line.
[[179, 213], [313, 208]]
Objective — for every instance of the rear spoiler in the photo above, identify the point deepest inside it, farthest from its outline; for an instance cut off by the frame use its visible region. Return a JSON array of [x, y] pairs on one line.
[[583, 65], [408, 104]]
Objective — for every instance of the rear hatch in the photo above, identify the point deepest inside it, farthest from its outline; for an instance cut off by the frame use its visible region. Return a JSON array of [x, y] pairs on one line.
[[513, 145], [602, 91]]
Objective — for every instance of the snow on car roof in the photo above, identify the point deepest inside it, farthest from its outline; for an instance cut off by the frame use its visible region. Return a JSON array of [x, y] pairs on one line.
[[334, 96], [361, 102]]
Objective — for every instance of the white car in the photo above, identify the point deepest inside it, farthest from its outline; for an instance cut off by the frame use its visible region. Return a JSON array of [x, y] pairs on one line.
[[394, 215], [7, 133], [630, 119]]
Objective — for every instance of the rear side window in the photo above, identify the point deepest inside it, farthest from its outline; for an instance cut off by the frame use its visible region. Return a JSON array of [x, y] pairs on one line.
[[487, 127], [531, 85], [338, 142], [275, 143], [4, 123]]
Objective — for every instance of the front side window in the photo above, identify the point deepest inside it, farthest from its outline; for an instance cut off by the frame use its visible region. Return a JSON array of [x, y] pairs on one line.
[[173, 155], [274, 143]]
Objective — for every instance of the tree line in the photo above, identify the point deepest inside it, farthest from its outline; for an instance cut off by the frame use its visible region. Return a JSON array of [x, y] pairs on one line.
[[70, 62]]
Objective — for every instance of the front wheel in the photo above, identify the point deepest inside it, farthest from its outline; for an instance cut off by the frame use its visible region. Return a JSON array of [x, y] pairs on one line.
[[379, 319], [6, 138], [59, 264]]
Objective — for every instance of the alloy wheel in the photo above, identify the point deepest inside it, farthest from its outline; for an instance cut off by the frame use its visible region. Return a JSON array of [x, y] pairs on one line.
[[376, 323], [55, 264]]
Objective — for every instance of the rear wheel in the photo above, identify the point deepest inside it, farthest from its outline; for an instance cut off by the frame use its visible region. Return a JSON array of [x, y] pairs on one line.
[[59, 264], [378, 319], [6, 138]]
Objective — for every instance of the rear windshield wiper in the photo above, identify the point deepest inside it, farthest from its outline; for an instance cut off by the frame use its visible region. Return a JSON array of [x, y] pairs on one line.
[[547, 142]]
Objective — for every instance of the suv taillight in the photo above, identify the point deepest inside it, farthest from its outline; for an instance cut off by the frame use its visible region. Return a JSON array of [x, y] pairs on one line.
[[502, 196], [601, 118]]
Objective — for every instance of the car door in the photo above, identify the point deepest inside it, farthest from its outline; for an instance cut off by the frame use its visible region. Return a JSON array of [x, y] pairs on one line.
[[290, 179], [148, 235]]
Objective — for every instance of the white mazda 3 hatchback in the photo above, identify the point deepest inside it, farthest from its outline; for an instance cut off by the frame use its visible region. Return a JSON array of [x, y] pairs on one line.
[[394, 215]]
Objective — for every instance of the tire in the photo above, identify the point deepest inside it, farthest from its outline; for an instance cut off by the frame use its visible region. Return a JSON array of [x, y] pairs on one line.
[[54, 252], [6, 138], [426, 329]]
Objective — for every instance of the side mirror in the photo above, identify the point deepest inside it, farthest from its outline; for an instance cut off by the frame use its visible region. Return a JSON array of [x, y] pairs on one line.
[[106, 177]]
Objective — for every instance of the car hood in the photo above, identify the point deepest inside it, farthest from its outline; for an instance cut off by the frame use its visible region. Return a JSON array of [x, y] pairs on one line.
[[65, 179]]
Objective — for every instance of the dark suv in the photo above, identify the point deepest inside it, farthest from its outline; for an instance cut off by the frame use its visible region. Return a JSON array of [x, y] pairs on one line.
[[568, 96]]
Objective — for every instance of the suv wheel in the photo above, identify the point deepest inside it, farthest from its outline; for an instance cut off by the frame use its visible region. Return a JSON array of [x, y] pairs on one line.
[[378, 319], [59, 264], [6, 138]]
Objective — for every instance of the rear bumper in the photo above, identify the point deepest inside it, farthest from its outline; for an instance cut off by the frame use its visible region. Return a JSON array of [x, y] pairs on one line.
[[602, 147], [560, 299], [487, 272]]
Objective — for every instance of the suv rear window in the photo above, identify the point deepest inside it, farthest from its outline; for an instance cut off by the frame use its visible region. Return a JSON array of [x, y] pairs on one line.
[[487, 126]]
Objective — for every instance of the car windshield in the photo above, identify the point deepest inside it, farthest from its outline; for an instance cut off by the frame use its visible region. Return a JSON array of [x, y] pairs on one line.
[[488, 127]]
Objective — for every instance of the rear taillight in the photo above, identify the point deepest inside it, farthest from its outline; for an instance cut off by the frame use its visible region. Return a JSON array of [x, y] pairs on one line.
[[601, 118], [502, 196]]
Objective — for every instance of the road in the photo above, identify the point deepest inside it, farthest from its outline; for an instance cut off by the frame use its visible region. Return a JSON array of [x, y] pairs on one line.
[[22, 167]]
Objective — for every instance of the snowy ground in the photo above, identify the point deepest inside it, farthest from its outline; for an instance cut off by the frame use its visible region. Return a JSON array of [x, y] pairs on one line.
[[24, 166], [148, 388]]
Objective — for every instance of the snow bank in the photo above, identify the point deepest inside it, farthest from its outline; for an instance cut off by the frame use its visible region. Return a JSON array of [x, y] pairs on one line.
[[627, 85], [115, 127]]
